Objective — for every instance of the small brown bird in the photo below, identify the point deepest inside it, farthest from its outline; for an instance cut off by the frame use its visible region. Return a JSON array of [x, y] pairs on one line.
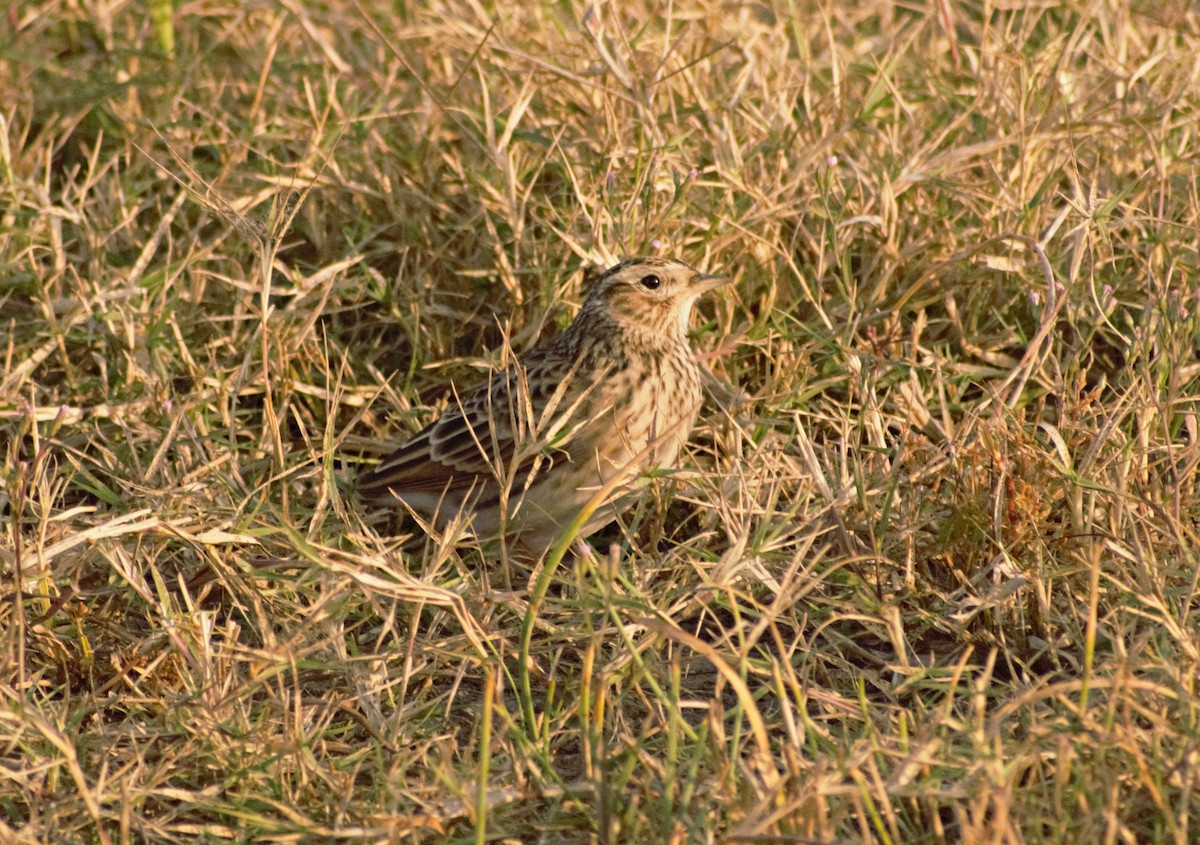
[[614, 395]]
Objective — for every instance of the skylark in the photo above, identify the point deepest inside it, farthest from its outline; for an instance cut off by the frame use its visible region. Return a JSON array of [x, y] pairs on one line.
[[614, 395]]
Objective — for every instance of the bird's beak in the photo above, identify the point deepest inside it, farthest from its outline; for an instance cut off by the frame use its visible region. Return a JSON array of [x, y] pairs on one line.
[[705, 282]]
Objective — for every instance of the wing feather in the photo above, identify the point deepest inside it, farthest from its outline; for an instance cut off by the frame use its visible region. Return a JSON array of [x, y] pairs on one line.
[[475, 439]]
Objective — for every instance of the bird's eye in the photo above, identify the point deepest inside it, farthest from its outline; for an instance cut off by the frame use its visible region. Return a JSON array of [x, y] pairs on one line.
[[651, 282]]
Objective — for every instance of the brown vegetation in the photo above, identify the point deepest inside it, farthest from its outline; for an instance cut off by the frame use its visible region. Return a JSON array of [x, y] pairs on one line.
[[933, 578]]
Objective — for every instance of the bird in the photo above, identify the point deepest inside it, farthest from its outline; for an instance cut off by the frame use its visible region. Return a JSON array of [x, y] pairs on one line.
[[616, 394]]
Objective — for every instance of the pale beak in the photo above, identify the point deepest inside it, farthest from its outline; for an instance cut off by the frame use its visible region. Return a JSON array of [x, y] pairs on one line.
[[704, 282]]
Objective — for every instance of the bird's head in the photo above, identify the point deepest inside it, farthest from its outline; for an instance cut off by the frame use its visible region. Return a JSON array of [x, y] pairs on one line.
[[649, 296]]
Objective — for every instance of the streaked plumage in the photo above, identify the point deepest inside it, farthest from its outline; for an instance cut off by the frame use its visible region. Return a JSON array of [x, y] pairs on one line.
[[617, 393]]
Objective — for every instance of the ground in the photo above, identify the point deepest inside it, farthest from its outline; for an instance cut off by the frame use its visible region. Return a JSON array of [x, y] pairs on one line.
[[928, 572]]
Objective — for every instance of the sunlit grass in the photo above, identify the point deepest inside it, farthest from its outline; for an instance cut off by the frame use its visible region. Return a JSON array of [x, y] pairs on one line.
[[928, 571]]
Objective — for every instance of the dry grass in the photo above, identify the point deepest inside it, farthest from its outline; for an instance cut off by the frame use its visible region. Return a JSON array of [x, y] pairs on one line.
[[935, 581]]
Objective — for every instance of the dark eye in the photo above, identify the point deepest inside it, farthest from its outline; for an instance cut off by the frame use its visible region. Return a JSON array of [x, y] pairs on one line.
[[651, 282]]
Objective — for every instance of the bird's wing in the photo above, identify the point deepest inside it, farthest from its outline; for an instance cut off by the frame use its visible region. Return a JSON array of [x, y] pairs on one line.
[[475, 440]]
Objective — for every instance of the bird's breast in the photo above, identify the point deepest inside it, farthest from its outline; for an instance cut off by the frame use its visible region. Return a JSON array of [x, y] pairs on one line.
[[650, 404]]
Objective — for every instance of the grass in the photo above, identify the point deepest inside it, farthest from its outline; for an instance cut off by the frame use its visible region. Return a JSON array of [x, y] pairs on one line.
[[929, 571]]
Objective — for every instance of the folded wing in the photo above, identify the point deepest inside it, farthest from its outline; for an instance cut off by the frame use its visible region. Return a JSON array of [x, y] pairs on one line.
[[474, 441]]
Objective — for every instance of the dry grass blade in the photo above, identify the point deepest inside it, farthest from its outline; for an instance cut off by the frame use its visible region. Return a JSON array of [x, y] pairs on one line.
[[926, 571]]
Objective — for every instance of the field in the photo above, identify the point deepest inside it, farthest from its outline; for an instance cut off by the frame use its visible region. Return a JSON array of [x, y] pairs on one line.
[[928, 572]]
